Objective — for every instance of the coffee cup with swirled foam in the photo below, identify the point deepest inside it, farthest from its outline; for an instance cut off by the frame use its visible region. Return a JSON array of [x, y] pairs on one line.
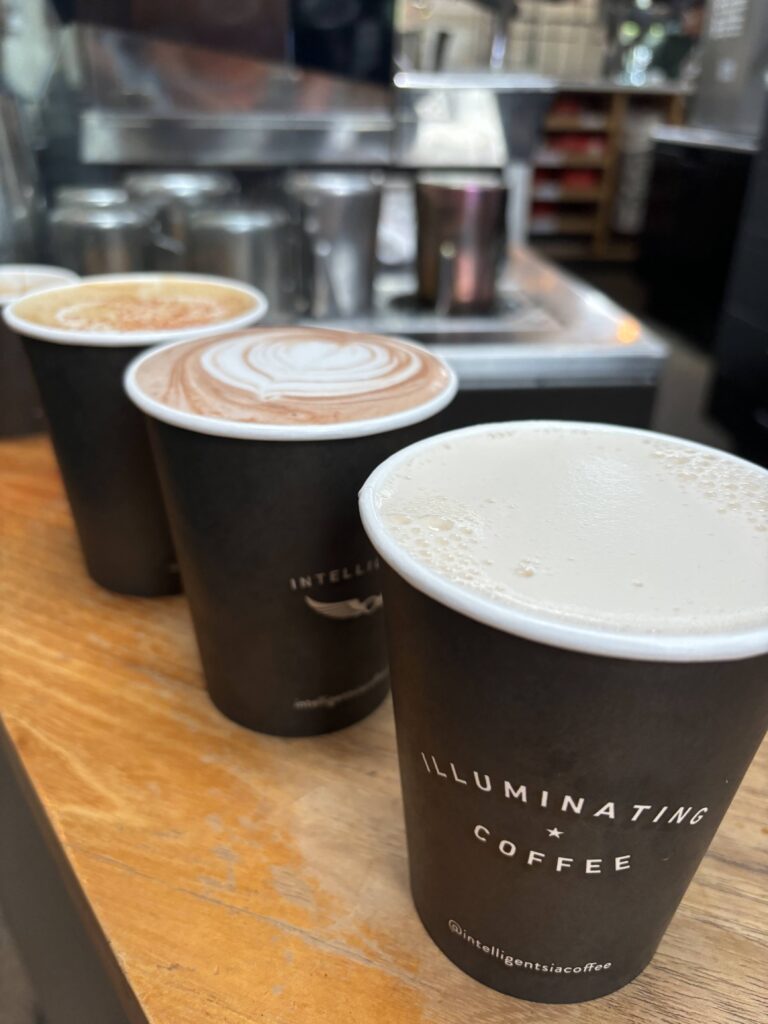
[[79, 338], [262, 439]]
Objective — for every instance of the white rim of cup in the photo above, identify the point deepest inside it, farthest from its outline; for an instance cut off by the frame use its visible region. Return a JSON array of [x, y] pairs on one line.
[[62, 275], [287, 431], [681, 647], [130, 339]]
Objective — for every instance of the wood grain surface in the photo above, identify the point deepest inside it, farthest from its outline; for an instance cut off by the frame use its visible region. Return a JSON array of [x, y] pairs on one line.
[[239, 877]]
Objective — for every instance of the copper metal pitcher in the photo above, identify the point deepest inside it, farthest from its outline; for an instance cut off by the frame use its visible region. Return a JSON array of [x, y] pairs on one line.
[[461, 240]]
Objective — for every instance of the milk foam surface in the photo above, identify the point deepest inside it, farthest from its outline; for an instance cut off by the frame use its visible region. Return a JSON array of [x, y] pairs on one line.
[[598, 529], [165, 303], [17, 282], [293, 376]]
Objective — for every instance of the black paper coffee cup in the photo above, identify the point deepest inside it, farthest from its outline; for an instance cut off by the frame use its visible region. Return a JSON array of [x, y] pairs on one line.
[[21, 410], [557, 801], [102, 447], [283, 584]]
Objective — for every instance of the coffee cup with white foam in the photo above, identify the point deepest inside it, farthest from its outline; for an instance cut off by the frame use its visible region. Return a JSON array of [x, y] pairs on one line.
[[577, 617], [262, 439], [79, 338], [21, 410]]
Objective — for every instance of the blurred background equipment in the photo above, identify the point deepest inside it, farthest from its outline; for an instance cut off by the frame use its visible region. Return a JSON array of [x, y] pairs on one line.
[[91, 196], [730, 90], [257, 28], [461, 240], [739, 400], [107, 239], [255, 242], [701, 171], [20, 190], [346, 37], [170, 196], [338, 217], [282, 141]]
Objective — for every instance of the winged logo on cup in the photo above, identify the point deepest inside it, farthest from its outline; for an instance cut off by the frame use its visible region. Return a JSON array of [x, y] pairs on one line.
[[352, 608]]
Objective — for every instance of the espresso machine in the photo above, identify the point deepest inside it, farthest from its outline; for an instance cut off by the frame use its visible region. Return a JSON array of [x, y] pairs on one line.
[[328, 168], [122, 101]]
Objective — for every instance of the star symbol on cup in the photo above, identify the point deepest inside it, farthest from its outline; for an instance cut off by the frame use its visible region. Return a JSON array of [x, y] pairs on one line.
[[554, 833]]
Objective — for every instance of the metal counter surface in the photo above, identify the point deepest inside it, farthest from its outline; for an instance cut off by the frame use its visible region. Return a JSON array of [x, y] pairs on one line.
[[141, 100], [552, 330], [603, 85]]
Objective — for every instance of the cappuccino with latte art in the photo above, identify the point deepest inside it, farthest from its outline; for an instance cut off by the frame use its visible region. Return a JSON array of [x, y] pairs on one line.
[[79, 339], [262, 439], [304, 377]]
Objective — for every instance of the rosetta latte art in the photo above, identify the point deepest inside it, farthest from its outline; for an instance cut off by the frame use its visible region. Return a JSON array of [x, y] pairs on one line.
[[293, 375]]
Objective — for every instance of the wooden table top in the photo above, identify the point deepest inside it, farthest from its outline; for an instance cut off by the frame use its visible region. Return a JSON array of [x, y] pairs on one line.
[[239, 877]]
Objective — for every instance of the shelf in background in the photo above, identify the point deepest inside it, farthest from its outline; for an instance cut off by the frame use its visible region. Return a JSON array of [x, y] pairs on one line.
[[578, 225], [577, 123], [564, 249], [621, 251], [566, 195], [576, 249], [544, 226], [569, 161]]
